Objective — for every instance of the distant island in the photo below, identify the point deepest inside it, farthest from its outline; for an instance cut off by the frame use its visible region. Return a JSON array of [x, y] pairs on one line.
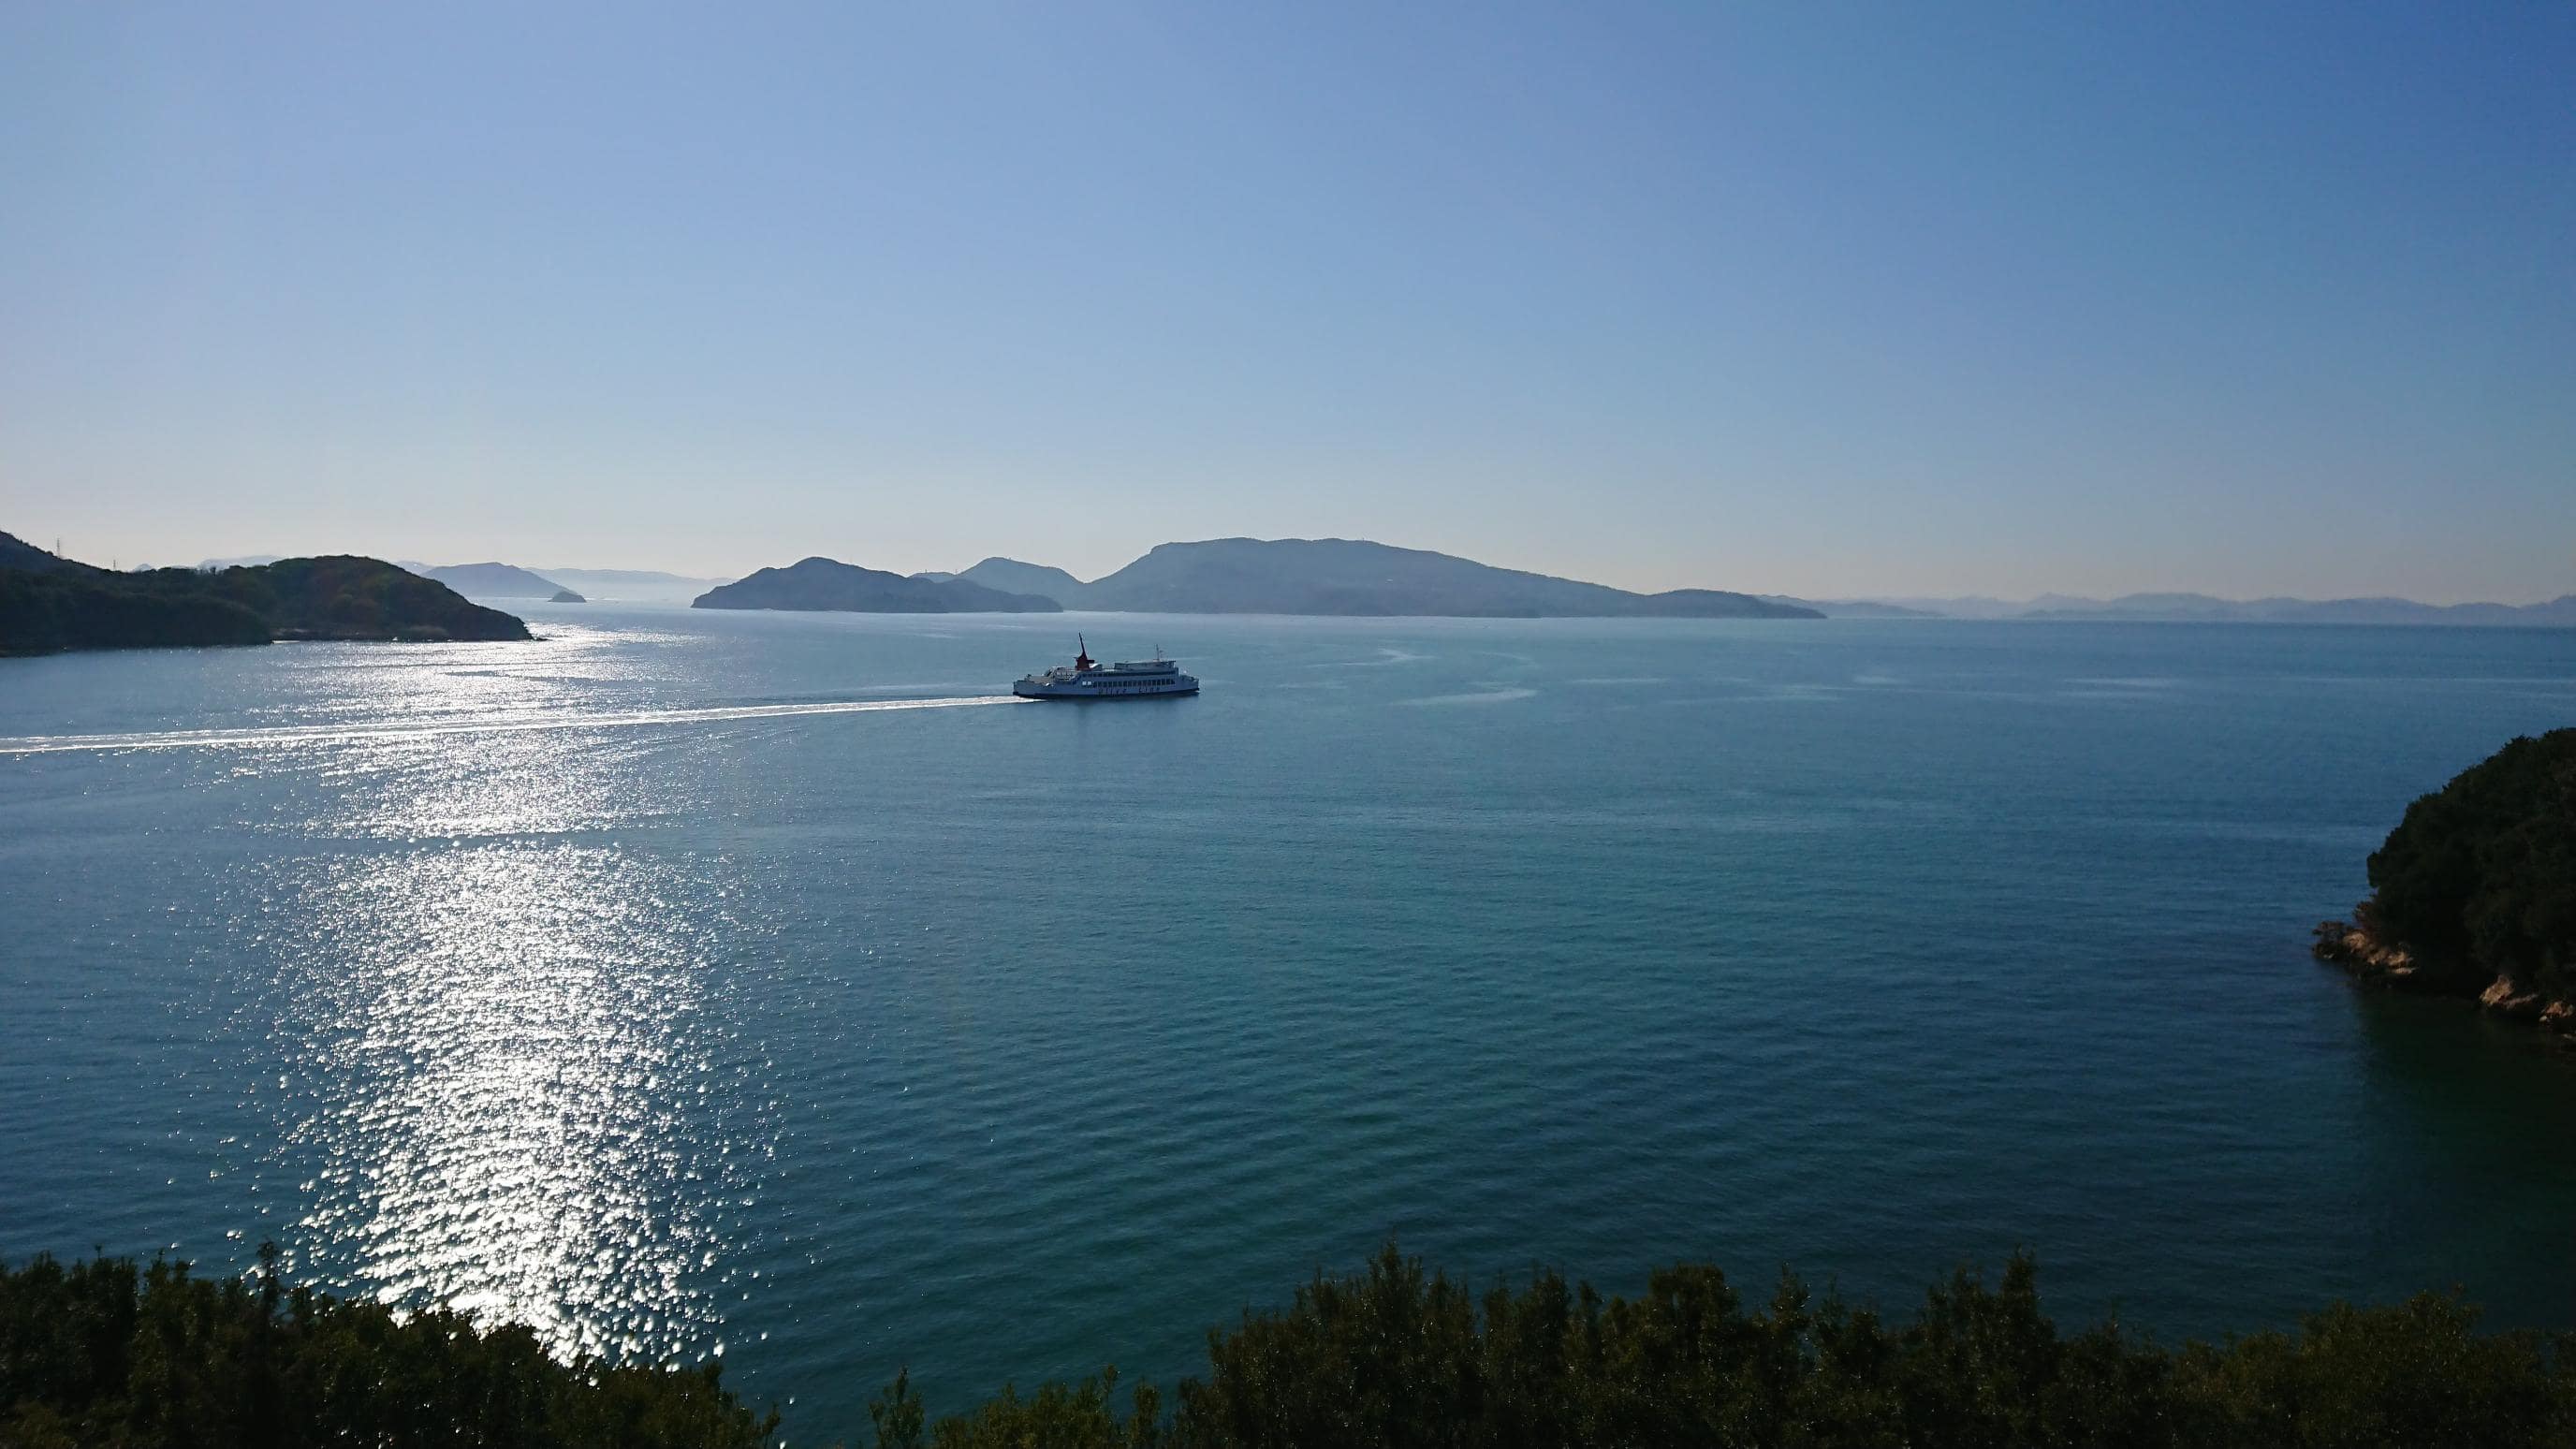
[[2474, 893], [630, 586], [1333, 576], [1339, 576], [2201, 608], [828, 585], [567, 596], [1854, 608], [2558, 613], [1322, 576], [512, 581], [49, 604], [490, 580]]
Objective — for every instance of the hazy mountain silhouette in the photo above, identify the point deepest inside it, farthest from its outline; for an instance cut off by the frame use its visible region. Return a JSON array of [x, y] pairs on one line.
[[1352, 577], [2560, 611], [1853, 608], [1012, 576], [632, 585], [490, 580], [2204, 608], [829, 585]]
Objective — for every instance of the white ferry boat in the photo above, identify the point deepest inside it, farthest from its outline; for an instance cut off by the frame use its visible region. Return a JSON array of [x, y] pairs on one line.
[[1088, 678]]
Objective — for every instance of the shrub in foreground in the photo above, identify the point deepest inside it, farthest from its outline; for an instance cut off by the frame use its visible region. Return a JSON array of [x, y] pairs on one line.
[[1395, 1356], [103, 1353]]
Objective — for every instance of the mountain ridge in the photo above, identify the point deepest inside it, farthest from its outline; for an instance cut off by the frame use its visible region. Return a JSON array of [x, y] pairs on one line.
[[1353, 578], [2276, 609], [825, 585], [490, 580]]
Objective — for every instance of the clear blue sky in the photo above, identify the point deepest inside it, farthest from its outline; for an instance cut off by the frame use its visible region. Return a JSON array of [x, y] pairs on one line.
[[1800, 297]]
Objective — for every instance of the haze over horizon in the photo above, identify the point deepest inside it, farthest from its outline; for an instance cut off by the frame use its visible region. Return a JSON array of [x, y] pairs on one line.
[[1818, 301]]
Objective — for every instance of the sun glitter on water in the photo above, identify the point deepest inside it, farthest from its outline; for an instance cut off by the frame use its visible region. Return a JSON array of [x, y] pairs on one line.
[[509, 1091]]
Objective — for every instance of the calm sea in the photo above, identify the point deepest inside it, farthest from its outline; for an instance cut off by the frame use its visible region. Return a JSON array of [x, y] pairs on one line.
[[773, 986]]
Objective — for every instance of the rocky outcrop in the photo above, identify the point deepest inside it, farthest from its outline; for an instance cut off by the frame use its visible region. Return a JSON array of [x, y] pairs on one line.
[[2473, 895], [2356, 950], [2375, 962]]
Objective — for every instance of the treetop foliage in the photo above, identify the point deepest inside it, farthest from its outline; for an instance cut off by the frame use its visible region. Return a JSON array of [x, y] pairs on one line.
[[2479, 879], [1397, 1356], [49, 603], [108, 1354]]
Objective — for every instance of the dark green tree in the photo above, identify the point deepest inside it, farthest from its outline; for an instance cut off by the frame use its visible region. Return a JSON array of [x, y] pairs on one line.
[[2479, 879]]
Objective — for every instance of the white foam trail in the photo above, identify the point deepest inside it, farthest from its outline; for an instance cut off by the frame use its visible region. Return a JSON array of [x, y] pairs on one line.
[[1482, 696], [505, 724]]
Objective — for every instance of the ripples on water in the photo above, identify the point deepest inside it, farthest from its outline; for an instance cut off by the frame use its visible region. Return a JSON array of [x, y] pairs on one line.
[[685, 985], [504, 1076], [500, 1082]]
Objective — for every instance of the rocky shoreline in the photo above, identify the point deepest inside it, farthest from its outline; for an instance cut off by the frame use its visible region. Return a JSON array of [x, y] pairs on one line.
[[2374, 962]]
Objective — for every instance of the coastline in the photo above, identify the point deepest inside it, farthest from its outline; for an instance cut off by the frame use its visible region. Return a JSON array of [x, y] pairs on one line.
[[2362, 955]]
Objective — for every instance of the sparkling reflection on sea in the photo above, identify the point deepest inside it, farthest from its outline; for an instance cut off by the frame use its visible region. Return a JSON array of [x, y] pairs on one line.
[[505, 1084]]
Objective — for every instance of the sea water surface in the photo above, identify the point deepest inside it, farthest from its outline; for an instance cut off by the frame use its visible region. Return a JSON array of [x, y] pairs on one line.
[[775, 986]]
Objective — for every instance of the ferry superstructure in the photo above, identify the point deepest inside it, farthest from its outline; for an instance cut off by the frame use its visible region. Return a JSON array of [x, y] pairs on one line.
[[1088, 678]]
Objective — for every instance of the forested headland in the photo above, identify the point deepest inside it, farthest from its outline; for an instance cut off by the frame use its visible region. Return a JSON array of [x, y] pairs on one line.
[[2474, 892], [49, 604]]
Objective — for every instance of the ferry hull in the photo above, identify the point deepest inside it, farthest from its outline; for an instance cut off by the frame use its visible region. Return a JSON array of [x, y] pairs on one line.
[[1083, 696]]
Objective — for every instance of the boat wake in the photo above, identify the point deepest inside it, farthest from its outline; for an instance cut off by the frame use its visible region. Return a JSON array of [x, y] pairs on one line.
[[287, 735]]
